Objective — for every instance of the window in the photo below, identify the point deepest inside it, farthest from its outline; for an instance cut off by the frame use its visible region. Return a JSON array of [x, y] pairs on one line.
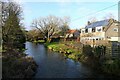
[[98, 29], [93, 29], [82, 30], [115, 29], [86, 30], [89, 30]]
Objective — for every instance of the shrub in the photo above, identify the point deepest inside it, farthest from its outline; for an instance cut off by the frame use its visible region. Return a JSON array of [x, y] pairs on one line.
[[87, 50], [111, 66]]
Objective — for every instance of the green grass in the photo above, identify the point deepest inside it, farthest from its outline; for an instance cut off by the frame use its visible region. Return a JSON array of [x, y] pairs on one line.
[[61, 47], [0, 48], [39, 41]]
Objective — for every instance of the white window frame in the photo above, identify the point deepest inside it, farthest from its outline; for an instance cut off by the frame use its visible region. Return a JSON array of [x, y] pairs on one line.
[[89, 30]]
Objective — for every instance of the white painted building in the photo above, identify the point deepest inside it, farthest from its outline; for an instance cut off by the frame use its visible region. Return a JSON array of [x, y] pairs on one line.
[[101, 30]]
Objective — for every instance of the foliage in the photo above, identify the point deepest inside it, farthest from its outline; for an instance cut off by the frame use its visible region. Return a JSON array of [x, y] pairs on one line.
[[87, 50], [39, 41], [34, 35], [111, 66], [15, 62], [17, 66], [72, 56], [62, 48], [99, 51], [12, 33], [65, 27]]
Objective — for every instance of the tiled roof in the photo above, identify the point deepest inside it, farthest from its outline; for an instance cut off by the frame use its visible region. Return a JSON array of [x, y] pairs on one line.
[[71, 31], [98, 23]]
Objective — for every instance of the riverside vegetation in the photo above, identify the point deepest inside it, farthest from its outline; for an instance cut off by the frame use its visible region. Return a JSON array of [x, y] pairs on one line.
[[88, 55], [15, 63]]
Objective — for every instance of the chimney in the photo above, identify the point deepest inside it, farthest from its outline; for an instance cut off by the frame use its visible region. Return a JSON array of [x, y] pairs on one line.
[[89, 23]]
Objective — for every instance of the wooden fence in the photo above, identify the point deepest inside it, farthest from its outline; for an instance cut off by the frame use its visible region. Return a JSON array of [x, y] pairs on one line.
[[112, 48]]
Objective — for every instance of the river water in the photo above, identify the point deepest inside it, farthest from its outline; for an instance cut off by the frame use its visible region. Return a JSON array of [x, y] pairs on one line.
[[55, 65]]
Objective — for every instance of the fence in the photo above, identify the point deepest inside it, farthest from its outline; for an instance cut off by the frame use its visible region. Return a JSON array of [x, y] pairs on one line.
[[112, 48]]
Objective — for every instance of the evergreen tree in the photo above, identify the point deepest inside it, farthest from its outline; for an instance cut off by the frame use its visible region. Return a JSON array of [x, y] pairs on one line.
[[12, 33]]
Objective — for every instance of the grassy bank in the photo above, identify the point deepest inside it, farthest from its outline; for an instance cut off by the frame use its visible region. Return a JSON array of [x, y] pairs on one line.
[[66, 50], [39, 41], [72, 53], [86, 56]]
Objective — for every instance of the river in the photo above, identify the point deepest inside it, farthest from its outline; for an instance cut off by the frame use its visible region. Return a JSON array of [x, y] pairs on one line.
[[55, 65]]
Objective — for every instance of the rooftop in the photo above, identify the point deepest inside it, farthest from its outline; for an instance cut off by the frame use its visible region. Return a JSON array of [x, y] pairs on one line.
[[98, 23], [71, 31]]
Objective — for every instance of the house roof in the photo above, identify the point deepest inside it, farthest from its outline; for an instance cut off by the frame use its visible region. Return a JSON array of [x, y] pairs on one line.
[[71, 31], [98, 23]]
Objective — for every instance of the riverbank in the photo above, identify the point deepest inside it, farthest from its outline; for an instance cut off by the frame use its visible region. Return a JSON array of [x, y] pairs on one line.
[[17, 64], [55, 65], [39, 41], [73, 52], [85, 55]]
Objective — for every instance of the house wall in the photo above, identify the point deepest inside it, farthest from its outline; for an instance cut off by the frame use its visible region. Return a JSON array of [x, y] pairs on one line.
[[82, 30], [119, 32], [94, 35], [119, 39], [99, 34], [110, 34]]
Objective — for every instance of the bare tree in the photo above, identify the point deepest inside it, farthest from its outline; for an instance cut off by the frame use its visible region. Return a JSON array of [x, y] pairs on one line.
[[65, 25], [109, 16], [92, 19], [49, 25]]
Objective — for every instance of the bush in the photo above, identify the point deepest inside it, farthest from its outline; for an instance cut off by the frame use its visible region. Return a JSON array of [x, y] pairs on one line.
[[111, 66], [87, 50]]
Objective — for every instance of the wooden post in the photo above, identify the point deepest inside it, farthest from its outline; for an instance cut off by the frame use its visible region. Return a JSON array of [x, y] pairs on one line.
[[93, 42]]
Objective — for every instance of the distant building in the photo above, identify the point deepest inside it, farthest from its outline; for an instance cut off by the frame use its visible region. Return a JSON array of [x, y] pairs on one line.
[[72, 35]]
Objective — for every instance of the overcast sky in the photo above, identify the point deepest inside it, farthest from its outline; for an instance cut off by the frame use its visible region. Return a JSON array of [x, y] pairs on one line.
[[77, 10]]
